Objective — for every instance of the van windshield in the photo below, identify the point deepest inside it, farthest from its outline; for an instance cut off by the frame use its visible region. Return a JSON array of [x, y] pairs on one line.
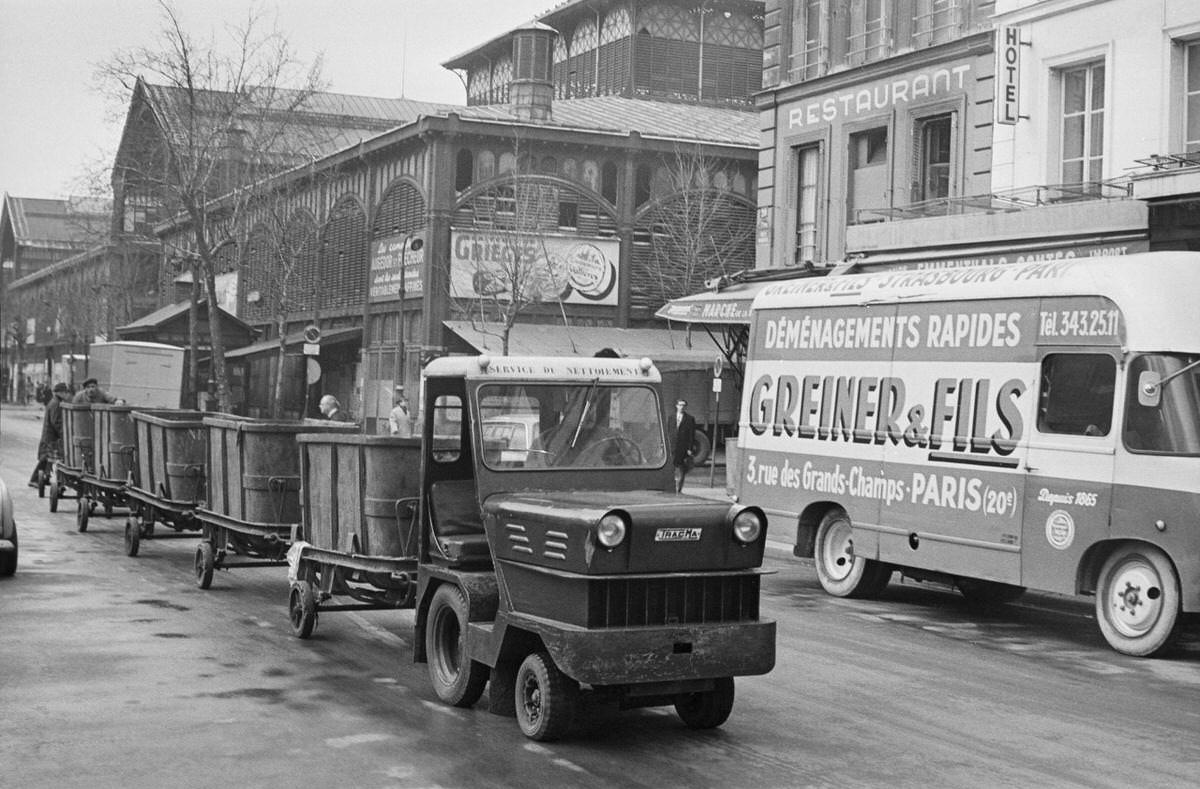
[[1173, 426], [571, 426]]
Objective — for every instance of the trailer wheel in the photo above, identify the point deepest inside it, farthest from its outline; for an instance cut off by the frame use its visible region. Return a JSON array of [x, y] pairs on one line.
[[55, 491], [456, 678], [841, 573], [82, 514], [205, 562], [984, 594], [546, 698], [302, 609], [707, 709], [1138, 601], [133, 536]]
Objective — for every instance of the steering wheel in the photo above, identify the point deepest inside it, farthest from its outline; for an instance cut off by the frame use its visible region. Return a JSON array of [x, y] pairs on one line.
[[611, 451]]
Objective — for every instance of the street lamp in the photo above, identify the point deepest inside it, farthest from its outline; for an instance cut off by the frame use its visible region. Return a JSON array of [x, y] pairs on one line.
[[411, 239]]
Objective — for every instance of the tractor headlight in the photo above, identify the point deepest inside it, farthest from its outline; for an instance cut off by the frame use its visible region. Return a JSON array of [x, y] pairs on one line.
[[611, 530], [748, 526]]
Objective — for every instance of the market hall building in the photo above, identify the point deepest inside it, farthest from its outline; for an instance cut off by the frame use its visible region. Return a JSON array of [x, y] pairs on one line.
[[598, 131]]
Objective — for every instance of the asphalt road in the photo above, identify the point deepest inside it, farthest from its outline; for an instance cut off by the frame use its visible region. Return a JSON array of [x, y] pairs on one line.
[[118, 671]]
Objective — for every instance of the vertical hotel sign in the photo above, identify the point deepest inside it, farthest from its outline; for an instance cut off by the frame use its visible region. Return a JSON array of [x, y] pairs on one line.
[[1008, 75]]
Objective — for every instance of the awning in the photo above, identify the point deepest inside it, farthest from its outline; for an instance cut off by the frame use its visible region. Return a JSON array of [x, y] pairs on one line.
[[728, 306], [171, 325], [661, 345], [294, 340]]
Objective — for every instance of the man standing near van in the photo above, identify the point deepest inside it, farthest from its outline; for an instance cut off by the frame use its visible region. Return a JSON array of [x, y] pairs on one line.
[[685, 433]]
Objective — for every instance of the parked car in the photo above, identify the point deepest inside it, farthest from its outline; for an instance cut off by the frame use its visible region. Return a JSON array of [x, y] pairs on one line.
[[512, 436], [8, 533]]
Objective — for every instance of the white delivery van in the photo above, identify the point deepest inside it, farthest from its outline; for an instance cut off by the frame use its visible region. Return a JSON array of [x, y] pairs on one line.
[[999, 428], [146, 374]]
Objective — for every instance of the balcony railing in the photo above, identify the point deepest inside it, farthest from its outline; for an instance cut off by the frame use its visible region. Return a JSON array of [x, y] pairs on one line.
[[1001, 202]]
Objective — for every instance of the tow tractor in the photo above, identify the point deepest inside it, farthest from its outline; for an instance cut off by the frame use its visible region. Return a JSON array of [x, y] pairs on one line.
[[559, 560]]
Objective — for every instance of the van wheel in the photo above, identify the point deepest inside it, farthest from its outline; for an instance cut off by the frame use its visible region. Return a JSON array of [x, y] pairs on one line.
[[546, 698], [456, 678], [709, 709], [841, 573], [1138, 601], [983, 594], [701, 447]]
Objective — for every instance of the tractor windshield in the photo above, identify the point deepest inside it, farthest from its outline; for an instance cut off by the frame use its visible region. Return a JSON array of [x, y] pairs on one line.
[[573, 425]]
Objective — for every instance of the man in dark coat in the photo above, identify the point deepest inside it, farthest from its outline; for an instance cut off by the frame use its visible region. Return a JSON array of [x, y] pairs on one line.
[[332, 409], [685, 433], [50, 447]]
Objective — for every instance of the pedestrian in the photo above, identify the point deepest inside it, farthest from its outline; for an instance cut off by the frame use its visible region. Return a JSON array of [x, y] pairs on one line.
[[332, 409], [92, 393], [400, 418], [685, 433], [50, 447]]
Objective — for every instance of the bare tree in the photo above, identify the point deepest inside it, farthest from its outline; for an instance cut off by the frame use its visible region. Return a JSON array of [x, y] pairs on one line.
[[699, 230], [280, 248], [222, 121]]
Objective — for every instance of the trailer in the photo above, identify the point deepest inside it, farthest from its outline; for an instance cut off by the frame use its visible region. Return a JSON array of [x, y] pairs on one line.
[[358, 536], [253, 507], [169, 483]]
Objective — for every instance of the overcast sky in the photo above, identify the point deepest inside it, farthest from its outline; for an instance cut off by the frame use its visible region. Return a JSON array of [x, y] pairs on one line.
[[54, 124]]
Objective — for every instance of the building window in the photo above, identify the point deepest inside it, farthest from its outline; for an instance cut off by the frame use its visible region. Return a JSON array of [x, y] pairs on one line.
[[810, 51], [608, 182], [1083, 124], [568, 216], [868, 187], [936, 21], [464, 170], [641, 184], [808, 160], [870, 23], [934, 157], [1192, 99]]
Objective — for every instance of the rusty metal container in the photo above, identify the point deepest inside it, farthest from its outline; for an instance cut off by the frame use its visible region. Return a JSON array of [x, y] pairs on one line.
[[254, 466], [172, 454], [78, 450], [353, 492], [114, 439]]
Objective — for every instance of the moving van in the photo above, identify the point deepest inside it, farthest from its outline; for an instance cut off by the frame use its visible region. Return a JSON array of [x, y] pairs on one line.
[[1034, 425]]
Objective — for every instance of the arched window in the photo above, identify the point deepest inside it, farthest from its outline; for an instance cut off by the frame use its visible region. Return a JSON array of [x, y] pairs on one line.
[[344, 255]]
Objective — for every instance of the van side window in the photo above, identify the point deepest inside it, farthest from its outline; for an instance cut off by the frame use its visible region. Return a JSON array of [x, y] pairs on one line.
[[1077, 394], [447, 428]]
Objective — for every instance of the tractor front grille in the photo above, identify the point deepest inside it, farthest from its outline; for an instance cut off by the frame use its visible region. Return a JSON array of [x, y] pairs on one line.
[[633, 602]]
